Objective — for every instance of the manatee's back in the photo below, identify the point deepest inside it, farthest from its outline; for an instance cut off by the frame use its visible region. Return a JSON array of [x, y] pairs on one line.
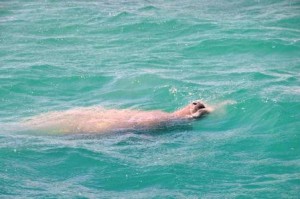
[[70, 121], [96, 120]]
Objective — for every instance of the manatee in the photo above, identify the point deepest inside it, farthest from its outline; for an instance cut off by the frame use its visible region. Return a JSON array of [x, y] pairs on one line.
[[100, 120]]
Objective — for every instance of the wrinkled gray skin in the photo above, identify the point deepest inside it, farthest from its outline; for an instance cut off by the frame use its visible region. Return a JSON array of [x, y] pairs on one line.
[[99, 120]]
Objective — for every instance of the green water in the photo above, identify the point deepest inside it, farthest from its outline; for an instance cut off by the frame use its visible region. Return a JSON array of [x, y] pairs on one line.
[[57, 55]]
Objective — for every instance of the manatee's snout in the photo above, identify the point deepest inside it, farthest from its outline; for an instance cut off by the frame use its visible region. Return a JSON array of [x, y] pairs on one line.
[[201, 106], [198, 105]]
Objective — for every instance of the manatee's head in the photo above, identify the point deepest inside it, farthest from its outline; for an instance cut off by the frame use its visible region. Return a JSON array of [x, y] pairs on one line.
[[196, 109], [193, 110]]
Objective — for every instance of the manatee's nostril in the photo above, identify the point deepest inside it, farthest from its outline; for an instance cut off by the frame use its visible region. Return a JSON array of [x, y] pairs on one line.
[[201, 106]]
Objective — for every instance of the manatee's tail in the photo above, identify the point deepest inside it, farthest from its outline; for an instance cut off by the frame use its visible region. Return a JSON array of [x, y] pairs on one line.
[[12, 127]]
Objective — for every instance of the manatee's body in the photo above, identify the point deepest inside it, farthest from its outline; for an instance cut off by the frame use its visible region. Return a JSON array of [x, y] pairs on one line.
[[99, 120]]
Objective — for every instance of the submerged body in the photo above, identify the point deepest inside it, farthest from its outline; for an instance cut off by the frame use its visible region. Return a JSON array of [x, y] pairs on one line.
[[99, 120]]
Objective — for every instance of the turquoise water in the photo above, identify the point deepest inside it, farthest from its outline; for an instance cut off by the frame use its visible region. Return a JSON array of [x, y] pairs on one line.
[[57, 55]]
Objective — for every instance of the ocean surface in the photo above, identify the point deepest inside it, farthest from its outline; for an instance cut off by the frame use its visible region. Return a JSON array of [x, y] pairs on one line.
[[148, 55]]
